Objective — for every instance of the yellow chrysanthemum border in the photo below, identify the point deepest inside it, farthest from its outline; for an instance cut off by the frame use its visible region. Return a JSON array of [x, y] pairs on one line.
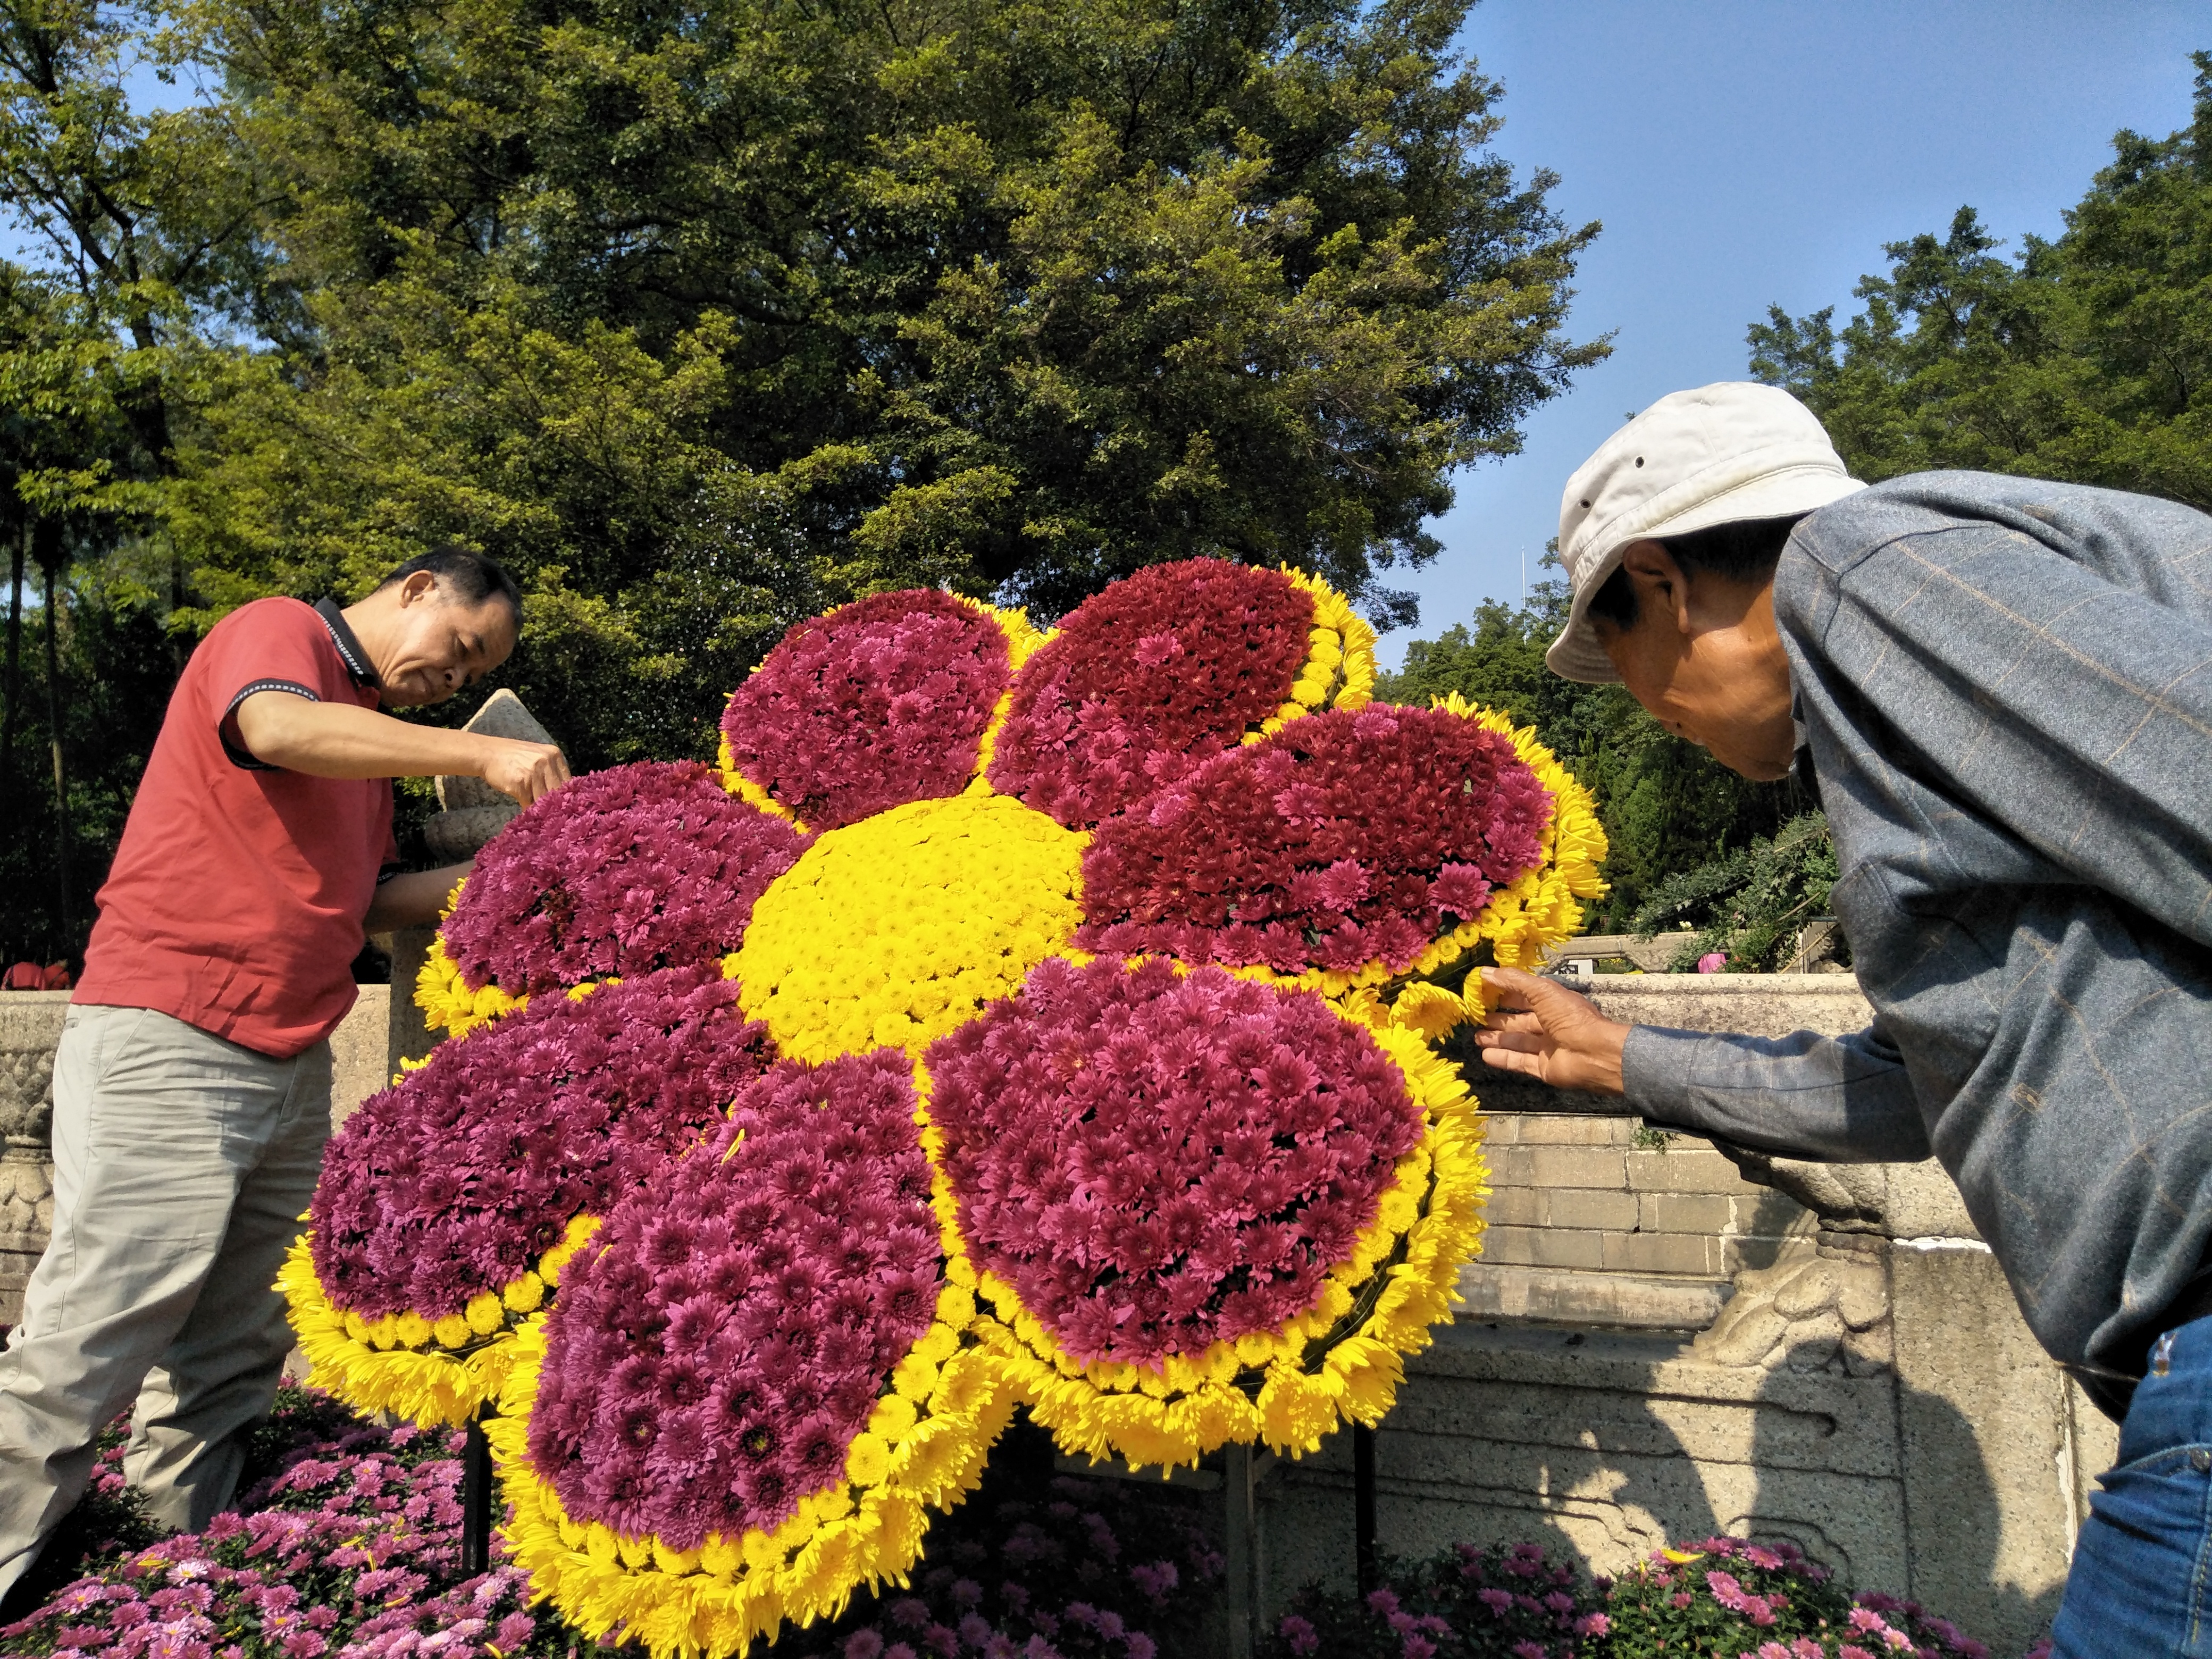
[[446, 999], [1339, 671], [1574, 845], [1024, 641], [448, 1002], [923, 1448], [1428, 1224], [429, 1372]]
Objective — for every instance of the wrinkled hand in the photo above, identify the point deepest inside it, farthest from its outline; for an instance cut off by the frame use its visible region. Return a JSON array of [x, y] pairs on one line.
[[523, 771], [1542, 1029]]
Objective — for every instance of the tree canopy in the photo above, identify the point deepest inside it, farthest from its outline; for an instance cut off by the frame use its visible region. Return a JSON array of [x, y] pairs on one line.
[[704, 318]]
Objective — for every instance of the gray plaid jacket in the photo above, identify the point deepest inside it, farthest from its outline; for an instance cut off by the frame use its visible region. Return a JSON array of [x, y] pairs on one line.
[[2007, 688]]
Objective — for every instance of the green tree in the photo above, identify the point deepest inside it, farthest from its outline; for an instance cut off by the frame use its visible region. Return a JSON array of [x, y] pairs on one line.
[[1008, 297], [659, 570], [145, 228], [2086, 359], [1749, 905], [80, 692], [704, 318]]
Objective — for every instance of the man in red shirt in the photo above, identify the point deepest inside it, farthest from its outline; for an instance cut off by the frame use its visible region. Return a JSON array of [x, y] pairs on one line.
[[192, 1084]]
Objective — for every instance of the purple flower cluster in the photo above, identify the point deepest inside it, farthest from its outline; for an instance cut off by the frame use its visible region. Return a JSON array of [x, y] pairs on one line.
[[1078, 1627], [1889, 1624], [1142, 681], [640, 866], [1074, 1574], [455, 1182], [1347, 837], [1721, 1596], [1158, 1163], [713, 1356], [881, 702], [349, 1552], [492, 1608], [1727, 1590], [1470, 1602], [1767, 1602]]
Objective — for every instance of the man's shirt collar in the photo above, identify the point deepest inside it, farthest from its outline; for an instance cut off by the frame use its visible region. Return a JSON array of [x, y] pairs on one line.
[[349, 652]]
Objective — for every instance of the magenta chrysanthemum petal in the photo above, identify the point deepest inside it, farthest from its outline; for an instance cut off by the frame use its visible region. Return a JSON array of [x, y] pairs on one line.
[[715, 1354], [1156, 1164], [1345, 838], [881, 702], [1162, 669], [622, 871], [455, 1182]]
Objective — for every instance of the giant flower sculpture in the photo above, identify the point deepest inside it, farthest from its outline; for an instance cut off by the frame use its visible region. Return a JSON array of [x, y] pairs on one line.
[[1008, 1019]]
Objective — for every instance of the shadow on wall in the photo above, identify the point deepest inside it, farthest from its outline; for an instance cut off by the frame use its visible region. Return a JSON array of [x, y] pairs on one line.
[[1505, 1434], [1951, 1523]]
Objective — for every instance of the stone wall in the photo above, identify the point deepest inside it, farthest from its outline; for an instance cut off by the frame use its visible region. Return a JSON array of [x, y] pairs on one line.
[[30, 1025], [1594, 1222]]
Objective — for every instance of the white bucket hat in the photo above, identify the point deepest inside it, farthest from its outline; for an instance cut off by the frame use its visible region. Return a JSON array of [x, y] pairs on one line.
[[1730, 451]]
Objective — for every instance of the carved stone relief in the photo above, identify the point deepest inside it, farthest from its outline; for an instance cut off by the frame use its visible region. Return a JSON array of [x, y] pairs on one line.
[[1826, 1311]]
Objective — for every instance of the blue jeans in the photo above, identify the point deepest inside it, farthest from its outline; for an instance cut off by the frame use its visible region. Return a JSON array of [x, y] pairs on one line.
[[2140, 1587]]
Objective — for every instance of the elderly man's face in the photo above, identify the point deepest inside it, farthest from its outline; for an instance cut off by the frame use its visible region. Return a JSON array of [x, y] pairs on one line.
[[437, 645], [1705, 657]]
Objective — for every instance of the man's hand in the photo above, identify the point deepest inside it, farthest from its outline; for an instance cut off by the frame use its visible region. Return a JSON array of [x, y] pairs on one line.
[[1542, 1029], [523, 771]]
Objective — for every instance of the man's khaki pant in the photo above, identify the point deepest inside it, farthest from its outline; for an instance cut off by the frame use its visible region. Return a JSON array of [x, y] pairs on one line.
[[181, 1165]]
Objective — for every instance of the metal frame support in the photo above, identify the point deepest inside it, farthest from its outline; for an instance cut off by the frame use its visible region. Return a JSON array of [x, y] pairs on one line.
[[476, 1501], [1240, 1549], [1362, 1507]]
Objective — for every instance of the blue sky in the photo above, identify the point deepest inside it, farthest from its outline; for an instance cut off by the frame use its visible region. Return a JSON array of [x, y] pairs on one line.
[[1744, 152]]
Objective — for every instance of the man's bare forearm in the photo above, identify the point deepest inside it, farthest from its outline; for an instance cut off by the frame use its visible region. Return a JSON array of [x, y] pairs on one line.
[[344, 741], [414, 899]]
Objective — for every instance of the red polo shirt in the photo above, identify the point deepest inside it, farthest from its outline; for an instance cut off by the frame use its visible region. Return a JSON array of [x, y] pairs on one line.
[[236, 898]]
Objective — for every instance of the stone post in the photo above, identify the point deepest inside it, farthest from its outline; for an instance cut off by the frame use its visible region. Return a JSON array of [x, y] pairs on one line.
[[472, 810], [406, 1037], [471, 813], [30, 1027]]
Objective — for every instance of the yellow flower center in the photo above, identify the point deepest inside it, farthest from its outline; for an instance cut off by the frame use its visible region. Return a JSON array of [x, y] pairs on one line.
[[893, 931]]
